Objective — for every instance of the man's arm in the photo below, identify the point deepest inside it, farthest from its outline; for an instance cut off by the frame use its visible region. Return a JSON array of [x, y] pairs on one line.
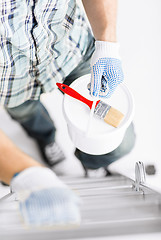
[[12, 160], [106, 69], [102, 17]]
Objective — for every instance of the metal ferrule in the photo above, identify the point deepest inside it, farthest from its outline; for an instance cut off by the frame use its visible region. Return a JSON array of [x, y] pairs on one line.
[[101, 109]]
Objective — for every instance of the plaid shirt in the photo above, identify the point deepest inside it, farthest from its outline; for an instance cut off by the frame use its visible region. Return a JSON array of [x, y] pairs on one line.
[[42, 41]]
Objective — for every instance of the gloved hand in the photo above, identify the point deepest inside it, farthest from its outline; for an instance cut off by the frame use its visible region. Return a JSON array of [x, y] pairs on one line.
[[106, 70], [44, 199]]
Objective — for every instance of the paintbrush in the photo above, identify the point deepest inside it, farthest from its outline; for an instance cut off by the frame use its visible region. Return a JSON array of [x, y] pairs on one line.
[[102, 110]]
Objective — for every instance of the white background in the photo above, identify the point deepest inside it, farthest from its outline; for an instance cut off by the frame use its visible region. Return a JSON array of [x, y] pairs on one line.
[[139, 34]]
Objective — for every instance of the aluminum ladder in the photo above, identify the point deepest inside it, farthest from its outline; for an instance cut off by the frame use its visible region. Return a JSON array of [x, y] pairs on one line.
[[111, 206]]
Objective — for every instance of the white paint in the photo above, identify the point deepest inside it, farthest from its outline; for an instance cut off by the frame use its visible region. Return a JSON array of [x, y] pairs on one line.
[[91, 115]]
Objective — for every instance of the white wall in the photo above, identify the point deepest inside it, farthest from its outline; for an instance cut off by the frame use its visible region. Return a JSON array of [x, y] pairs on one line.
[[139, 34]]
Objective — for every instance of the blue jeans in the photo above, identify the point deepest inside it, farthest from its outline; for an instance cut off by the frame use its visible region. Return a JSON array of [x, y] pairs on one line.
[[35, 119]]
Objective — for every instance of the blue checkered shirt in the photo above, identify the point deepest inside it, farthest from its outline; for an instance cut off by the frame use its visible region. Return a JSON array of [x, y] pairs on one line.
[[42, 41]]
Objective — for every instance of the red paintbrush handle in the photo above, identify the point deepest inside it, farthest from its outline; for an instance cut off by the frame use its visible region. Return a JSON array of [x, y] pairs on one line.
[[71, 92]]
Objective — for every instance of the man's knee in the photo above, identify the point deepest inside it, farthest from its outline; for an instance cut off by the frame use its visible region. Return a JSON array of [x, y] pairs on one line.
[[24, 111], [128, 142], [124, 148], [97, 161]]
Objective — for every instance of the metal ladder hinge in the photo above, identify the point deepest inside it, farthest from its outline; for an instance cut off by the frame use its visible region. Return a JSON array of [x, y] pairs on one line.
[[140, 176]]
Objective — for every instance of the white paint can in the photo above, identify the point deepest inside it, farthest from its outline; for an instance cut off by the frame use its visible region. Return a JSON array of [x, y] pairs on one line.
[[103, 138]]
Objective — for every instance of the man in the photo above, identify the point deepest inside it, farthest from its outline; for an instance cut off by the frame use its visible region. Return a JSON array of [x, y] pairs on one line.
[[49, 41]]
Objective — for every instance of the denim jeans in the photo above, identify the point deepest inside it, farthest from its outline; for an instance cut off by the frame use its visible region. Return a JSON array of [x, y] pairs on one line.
[[35, 119]]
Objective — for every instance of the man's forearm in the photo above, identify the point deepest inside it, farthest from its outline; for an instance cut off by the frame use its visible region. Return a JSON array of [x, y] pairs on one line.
[[102, 15], [12, 160]]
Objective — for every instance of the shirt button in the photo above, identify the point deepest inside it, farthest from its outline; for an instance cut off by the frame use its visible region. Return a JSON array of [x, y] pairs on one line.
[[37, 72]]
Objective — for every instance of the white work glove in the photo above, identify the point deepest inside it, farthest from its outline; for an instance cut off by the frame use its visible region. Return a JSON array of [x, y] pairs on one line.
[[44, 200], [106, 70]]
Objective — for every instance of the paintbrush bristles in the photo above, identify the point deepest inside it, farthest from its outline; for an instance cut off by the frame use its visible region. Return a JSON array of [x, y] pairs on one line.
[[113, 117]]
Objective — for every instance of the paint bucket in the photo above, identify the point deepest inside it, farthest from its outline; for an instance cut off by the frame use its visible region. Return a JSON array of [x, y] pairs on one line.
[[102, 138]]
